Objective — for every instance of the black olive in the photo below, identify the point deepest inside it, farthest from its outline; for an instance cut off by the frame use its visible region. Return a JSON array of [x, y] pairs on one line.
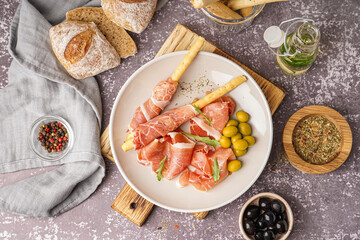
[[269, 235], [277, 206], [269, 218], [249, 226], [281, 216], [264, 203], [252, 212], [272, 228], [260, 223], [259, 235], [281, 226]]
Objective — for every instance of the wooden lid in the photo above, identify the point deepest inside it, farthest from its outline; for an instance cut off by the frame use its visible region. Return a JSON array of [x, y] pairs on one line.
[[340, 123]]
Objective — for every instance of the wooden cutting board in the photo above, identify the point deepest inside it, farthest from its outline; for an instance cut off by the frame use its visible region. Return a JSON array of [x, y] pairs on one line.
[[129, 203]]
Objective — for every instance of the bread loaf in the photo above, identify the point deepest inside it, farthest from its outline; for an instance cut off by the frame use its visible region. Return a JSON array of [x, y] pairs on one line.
[[116, 35], [133, 15], [82, 49]]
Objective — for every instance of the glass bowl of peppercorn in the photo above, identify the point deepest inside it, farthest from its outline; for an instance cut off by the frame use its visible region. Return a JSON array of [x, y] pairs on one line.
[[51, 138]]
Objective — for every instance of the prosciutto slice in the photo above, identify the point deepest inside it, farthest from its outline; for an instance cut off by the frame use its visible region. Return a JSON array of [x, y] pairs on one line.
[[161, 97], [219, 112], [202, 161], [178, 149], [161, 125]]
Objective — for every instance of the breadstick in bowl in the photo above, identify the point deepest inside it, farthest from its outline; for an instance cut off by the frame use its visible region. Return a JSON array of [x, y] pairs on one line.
[[202, 3], [240, 4]]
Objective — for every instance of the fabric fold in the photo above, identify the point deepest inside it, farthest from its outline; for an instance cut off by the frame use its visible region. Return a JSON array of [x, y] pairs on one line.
[[38, 86]]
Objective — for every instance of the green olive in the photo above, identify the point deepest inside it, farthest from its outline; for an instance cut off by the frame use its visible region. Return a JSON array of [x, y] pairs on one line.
[[232, 122], [240, 144], [239, 153], [250, 140], [230, 131], [245, 129], [242, 116], [234, 165], [225, 142], [236, 137]]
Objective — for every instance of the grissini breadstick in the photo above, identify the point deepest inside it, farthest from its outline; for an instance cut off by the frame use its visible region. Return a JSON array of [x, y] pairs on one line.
[[246, 11], [202, 3], [239, 4], [189, 57], [129, 144], [221, 91], [164, 90], [221, 10]]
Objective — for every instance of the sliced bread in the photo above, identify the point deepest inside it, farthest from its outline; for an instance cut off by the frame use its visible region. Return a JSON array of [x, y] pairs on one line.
[[117, 36], [133, 15]]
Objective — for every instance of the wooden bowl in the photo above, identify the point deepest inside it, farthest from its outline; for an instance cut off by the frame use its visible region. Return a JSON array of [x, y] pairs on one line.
[[255, 201], [342, 152]]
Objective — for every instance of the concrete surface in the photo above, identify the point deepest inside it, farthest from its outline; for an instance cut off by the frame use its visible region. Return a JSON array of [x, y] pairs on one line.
[[325, 206]]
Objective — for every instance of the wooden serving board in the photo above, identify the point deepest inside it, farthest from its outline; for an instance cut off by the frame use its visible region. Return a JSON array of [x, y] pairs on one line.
[[129, 203]]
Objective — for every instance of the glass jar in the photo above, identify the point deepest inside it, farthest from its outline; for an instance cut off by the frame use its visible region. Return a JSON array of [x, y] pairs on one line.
[[296, 55], [231, 25]]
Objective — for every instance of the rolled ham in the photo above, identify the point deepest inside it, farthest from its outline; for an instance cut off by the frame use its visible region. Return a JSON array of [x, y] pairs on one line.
[[201, 177], [160, 98], [178, 149], [161, 125], [219, 112]]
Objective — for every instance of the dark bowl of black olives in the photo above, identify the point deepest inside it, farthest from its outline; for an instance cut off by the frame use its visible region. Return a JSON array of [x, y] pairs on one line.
[[266, 216]]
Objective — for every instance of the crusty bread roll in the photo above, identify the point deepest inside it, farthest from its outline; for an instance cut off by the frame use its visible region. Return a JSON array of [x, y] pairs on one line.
[[82, 49], [116, 35], [133, 15]]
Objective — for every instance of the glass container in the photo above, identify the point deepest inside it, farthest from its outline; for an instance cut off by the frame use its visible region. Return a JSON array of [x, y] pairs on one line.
[[36, 144], [302, 46], [231, 25]]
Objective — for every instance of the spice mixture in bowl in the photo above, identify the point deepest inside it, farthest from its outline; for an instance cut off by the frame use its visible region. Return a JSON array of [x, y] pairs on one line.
[[316, 139], [51, 137]]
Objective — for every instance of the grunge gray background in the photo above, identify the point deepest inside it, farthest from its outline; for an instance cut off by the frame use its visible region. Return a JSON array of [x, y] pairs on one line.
[[325, 206]]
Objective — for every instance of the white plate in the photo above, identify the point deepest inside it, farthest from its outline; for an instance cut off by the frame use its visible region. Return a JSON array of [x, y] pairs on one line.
[[206, 67]]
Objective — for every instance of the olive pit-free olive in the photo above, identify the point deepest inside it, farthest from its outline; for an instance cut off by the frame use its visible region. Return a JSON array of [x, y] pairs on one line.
[[234, 165], [236, 137], [242, 116], [240, 144], [250, 140], [239, 153], [230, 131], [232, 122], [225, 142], [245, 129]]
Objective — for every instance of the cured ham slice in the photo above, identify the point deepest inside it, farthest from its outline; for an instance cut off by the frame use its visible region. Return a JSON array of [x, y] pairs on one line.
[[202, 161], [219, 112], [161, 97], [178, 149], [161, 125]]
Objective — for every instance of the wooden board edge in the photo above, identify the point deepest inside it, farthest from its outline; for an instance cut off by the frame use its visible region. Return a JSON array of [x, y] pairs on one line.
[[200, 215], [132, 206]]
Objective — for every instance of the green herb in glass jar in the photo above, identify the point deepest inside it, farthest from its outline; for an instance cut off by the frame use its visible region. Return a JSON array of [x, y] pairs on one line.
[[303, 45], [296, 51]]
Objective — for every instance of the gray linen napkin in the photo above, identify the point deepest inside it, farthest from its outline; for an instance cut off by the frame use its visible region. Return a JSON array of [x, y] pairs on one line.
[[39, 85]]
